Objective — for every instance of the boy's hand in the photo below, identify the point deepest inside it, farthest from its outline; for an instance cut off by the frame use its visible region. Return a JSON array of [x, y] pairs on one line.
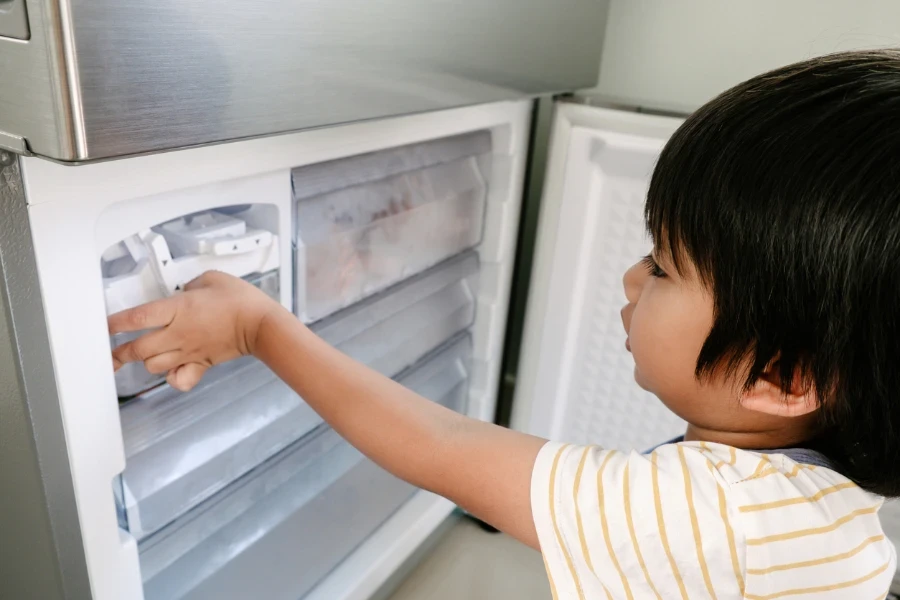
[[215, 320]]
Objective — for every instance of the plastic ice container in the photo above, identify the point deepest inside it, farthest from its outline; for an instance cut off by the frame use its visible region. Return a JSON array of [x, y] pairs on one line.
[[180, 449], [367, 222], [309, 508], [133, 378], [394, 329]]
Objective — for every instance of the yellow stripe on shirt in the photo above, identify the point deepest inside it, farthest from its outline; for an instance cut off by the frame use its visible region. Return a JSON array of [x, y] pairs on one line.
[[813, 530], [660, 521], [605, 526], [823, 588], [559, 538], [818, 561], [799, 500], [629, 519], [581, 538], [695, 525]]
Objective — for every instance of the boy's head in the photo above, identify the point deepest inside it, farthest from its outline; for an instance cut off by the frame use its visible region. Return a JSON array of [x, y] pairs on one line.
[[771, 315]]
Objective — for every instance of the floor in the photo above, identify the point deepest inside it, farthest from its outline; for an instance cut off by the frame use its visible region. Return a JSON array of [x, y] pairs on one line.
[[472, 564]]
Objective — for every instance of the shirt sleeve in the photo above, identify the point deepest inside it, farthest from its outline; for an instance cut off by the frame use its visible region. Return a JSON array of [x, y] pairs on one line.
[[626, 525]]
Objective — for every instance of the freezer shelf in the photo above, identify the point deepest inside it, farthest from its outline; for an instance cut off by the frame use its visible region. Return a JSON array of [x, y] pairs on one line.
[[393, 330], [279, 530], [365, 223]]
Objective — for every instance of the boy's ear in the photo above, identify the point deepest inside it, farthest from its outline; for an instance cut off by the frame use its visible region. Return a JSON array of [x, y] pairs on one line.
[[766, 396]]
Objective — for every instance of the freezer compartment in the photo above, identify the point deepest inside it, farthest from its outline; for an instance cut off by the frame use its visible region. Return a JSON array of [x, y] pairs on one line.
[[367, 222], [158, 261], [396, 328], [180, 449], [279, 530], [183, 448]]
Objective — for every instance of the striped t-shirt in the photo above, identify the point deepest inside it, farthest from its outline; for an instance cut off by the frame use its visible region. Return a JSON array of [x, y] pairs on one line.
[[697, 520]]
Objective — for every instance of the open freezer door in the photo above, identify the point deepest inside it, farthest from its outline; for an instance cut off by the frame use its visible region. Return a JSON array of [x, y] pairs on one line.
[[575, 379]]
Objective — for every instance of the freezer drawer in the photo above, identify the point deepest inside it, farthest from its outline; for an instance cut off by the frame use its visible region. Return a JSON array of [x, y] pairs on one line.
[[180, 449], [278, 531], [183, 448], [393, 330], [367, 222]]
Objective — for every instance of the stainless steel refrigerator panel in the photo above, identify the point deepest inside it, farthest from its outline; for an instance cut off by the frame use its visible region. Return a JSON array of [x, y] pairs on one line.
[[148, 76], [42, 553], [35, 106]]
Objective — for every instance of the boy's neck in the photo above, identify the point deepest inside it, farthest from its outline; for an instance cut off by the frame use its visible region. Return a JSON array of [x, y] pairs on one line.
[[749, 440]]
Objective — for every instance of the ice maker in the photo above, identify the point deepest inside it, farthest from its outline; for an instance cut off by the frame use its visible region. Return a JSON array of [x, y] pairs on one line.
[[160, 260]]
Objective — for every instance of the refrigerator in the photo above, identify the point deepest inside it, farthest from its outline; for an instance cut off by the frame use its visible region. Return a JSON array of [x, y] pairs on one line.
[[414, 181]]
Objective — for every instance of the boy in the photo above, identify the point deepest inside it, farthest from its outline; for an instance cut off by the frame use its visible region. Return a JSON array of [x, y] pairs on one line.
[[766, 317]]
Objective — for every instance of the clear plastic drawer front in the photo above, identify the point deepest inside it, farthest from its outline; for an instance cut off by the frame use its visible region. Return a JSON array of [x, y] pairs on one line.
[[183, 448], [367, 222], [393, 330], [308, 507]]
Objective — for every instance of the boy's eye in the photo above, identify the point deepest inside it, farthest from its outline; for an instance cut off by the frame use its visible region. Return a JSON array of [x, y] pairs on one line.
[[651, 266]]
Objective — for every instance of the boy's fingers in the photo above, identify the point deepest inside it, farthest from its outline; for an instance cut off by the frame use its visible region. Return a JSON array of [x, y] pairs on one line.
[[148, 316], [143, 348], [201, 281], [185, 377], [161, 363]]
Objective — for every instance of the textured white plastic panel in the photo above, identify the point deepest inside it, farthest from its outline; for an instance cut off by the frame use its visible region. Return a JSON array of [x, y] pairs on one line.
[[576, 378]]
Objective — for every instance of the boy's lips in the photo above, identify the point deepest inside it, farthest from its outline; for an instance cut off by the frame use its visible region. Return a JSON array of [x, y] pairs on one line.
[[628, 344]]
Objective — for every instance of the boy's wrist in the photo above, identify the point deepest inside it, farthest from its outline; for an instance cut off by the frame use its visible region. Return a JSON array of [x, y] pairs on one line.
[[277, 318]]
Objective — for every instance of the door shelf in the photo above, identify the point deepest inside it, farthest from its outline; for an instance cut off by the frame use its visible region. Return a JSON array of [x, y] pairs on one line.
[[279, 530], [367, 222]]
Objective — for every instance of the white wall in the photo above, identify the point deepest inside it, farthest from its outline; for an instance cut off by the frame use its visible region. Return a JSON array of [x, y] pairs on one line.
[[676, 54]]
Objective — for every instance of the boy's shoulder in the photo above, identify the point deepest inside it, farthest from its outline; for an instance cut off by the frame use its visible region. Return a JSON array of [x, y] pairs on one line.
[[701, 516], [760, 481]]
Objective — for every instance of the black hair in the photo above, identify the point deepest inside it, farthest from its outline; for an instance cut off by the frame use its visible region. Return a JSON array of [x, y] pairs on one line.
[[783, 194]]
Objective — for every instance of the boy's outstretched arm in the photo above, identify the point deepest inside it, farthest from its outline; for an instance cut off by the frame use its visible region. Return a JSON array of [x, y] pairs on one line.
[[484, 468]]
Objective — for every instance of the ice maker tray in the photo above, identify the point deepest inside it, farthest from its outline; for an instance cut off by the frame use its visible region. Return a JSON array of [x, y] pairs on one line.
[[279, 530], [393, 330], [367, 222]]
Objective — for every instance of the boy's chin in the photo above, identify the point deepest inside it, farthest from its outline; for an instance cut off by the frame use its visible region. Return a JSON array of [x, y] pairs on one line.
[[639, 379]]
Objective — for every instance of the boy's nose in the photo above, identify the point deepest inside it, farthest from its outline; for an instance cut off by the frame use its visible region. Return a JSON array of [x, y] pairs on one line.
[[633, 282]]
